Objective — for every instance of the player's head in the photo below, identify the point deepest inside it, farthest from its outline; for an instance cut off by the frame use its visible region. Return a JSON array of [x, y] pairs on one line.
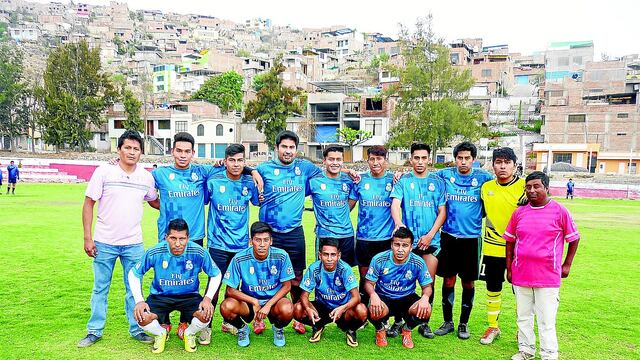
[[182, 151], [401, 244], [570, 179], [464, 154], [504, 164], [537, 188], [177, 236], [261, 239], [329, 253], [420, 153], [130, 147], [377, 159], [333, 158], [287, 146], [11, 163], [155, 166], [234, 159]]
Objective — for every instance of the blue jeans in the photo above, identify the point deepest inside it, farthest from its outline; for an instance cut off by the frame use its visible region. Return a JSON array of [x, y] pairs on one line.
[[103, 265]]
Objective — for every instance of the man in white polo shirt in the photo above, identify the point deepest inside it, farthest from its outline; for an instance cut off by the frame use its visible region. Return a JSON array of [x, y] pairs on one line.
[[120, 191]]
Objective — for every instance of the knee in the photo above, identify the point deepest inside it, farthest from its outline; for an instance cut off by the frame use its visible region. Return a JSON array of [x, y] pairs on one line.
[[361, 312], [449, 282], [227, 309], [200, 316], [298, 311], [147, 318], [284, 309]]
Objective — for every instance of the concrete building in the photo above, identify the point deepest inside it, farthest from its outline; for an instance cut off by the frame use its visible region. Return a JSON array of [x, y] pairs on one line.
[[567, 59]]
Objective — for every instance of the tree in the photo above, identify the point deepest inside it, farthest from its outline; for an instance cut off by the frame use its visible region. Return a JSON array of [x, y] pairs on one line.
[[13, 94], [258, 81], [274, 104], [132, 109], [352, 137], [75, 93], [433, 104], [224, 90]]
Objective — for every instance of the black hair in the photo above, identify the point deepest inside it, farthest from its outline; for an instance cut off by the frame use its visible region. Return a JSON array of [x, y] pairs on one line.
[[233, 149], [178, 225], [504, 153], [538, 175], [403, 233], [184, 136], [329, 242], [332, 148], [287, 135], [420, 146], [131, 135], [260, 227], [377, 150], [465, 146]]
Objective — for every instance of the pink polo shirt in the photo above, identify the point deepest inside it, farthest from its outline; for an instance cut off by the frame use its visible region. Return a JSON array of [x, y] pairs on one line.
[[120, 197], [539, 234]]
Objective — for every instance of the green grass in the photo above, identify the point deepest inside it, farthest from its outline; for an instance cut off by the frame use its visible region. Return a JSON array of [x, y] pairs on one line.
[[46, 282]]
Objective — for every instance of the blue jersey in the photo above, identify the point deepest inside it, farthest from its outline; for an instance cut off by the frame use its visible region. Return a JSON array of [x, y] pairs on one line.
[[182, 195], [464, 205], [228, 220], [259, 279], [332, 287], [397, 280], [175, 275], [420, 198], [13, 173], [570, 186], [284, 192], [331, 205], [374, 207]]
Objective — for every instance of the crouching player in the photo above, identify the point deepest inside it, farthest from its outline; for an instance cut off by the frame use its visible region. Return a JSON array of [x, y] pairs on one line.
[[258, 279], [391, 285], [176, 264], [337, 297]]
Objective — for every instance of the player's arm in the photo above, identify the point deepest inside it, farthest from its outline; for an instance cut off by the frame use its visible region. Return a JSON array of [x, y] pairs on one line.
[[509, 258], [266, 308], [396, 212], [135, 284], [312, 313], [205, 305], [155, 203], [568, 260], [424, 308], [352, 204], [87, 223], [336, 313], [375, 304], [240, 296], [425, 240]]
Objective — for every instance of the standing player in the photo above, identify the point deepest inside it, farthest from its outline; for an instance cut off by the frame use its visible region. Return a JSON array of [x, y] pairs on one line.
[[258, 280], [391, 285], [419, 204], [13, 175], [121, 190], [460, 239], [570, 186], [500, 198], [336, 295], [535, 239], [330, 193], [176, 264]]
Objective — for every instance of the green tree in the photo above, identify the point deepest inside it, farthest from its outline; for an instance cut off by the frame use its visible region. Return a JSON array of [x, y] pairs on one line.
[[258, 81], [274, 104], [13, 94], [75, 93], [224, 90], [243, 53], [433, 104], [120, 46], [132, 109], [352, 137]]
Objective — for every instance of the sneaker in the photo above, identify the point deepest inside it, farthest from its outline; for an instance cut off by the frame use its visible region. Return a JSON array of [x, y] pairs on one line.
[[89, 340], [381, 338], [243, 336], [299, 327], [521, 355], [190, 343], [278, 336], [352, 338], [316, 334], [463, 331], [407, 341], [228, 328], [181, 328], [258, 327], [167, 327], [144, 338], [205, 336], [394, 330], [159, 343], [425, 331], [445, 328], [489, 336]]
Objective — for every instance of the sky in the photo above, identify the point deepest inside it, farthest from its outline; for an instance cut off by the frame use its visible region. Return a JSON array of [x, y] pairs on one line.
[[526, 26]]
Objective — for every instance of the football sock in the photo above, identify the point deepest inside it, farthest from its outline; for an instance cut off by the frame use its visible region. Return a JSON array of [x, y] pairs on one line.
[[467, 304], [195, 326], [154, 328], [494, 302], [448, 297]]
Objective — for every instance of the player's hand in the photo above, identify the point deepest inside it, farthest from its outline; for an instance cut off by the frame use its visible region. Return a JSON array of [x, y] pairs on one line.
[[218, 163], [354, 175], [398, 226], [424, 242], [207, 308], [257, 180], [397, 175], [90, 248], [263, 312], [312, 314], [509, 276], [261, 197], [114, 161], [139, 310], [337, 313], [375, 306], [424, 308], [565, 270]]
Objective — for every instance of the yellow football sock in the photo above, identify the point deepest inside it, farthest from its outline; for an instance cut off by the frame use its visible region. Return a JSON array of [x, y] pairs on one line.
[[494, 303]]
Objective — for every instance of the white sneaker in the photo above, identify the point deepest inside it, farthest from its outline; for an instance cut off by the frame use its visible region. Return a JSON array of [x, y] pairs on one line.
[[521, 355], [205, 337]]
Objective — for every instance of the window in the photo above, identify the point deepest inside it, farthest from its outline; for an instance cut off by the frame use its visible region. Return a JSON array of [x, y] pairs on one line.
[[160, 78], [219, 130], [200, 130], [164, 124], [160, 88], [181, 126], [385, 74], [577, 118], [623, 115], [117, 124], [562, 157], [486, 72], [621, 134], [455, 59], [395, 50], [373, 104], [103, 136], [373, 126], [563, 61], [253, 147], [577, 60], [381, 51], [632, 168]]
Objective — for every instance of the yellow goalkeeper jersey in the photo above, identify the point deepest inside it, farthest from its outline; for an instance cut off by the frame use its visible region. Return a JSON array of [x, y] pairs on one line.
[[500, 201]]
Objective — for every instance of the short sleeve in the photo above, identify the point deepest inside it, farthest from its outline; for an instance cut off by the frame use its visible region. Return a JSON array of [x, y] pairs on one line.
[[424, 278], [287, 269], [442, 196], [308, 283], [354, 193], [510, 231], [397, 192], [373, 273], [255, 196], [208, 266], [95, 186], [232, 276], [569, 227], [143, 265], [310, 169], [209, 170], [349, 279]]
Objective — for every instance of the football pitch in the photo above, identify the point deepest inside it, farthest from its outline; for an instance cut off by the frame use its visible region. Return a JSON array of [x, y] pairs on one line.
[[46, 280]]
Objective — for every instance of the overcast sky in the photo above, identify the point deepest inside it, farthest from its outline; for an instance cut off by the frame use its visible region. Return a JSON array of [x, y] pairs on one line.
[[526, 26]]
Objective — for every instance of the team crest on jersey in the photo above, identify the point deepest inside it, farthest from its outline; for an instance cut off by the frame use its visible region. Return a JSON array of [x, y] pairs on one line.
[[452, 179], [172, 176], [412, 186], [297, 171], [289, 270], [245, 191], [227, 275], [323, 187], [385, 271], [194, 176], [370, 271], [366, 186], [274, 270], [350, 278], [222, 189], [345, 187], [165, 264], [276, 172], [388, 187], [408, 275], [188, 265], [337, 282], [432, 187], [474, 182], [307, 282], [252, 270]]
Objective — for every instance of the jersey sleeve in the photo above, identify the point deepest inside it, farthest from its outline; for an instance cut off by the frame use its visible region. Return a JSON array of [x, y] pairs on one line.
[[208, 266], [424, 278], [442, 196], [569, 226], [143, 265], [354, 194], [247, 170], [310, 169], [232, 276], [308, 282], [287, 269], [374, 271], [94, 188], [255, 196], [510, 231], [398, 190], [349, 279], [210, 170]]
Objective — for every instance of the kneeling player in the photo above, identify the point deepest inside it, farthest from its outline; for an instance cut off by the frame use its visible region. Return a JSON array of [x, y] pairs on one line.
[[337, 297], [176, 264], [391, 285], [258, 279]]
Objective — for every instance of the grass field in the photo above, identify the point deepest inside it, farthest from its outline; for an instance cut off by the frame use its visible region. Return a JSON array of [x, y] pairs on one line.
[[46, 281]]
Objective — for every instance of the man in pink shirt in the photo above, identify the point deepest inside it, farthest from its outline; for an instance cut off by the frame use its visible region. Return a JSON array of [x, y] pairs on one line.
[[120, 191], [535, 238]]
